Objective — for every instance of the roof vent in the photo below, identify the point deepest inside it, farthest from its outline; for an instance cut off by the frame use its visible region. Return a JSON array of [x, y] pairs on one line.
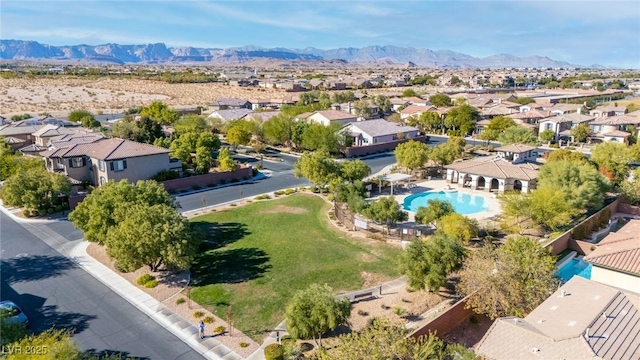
[[586, 332], [535, 350], [563, 293]]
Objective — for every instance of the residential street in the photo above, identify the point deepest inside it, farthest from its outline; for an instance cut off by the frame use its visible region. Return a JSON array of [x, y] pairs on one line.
[[53, 291]]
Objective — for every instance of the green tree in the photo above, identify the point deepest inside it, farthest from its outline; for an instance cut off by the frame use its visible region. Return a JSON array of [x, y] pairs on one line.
[[34, 188], [385, 210], [612, 159], [383, 102], [429, 121], [180, 149], [427, 263], [362, 109], [144, 130], [101, 210], [461, 119], [583, 186], [318, 136], [225, 161], [412, 154], [385, 341], [203, 160], [160, 112], [343, 97], [446, 153], [510, 280], [550, 207], [209, 141], [458, 227], [21, 117], [409, 93], [434, 210], [547, 136], [566, 155], [298, 129], [10, 331], [630, 189], [440, 100], [278, 130], [153, 236], [238, 135], [76, 116], [314, 311], [89, 122], [553, 85], [317, 167], [500, 123], [191, 123], [524, 100], [354, 170], [58, 345], [518, 135], [13, 163]]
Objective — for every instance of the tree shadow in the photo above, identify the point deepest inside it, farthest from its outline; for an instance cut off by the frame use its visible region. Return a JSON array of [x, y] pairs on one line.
[[34, 267], [229, 266], [216, 235], [109, 355]]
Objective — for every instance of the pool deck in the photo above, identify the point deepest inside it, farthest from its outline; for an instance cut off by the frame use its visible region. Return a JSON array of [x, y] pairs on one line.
[[487, 216]]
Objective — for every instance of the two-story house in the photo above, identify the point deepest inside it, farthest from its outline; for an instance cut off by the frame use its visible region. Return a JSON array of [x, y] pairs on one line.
[[102, 160]]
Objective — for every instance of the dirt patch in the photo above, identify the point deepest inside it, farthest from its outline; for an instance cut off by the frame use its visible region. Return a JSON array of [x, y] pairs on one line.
[[171, 288], [285, 209], [470, 332]]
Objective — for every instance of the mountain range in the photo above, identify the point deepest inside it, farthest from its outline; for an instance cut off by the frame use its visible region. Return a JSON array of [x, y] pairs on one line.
[[159, 53]]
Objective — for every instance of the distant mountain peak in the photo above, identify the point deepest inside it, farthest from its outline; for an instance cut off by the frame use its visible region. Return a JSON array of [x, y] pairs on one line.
[[159, 53]]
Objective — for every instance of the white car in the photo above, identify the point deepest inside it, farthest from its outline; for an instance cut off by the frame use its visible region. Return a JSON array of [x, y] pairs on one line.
[[12, 313]]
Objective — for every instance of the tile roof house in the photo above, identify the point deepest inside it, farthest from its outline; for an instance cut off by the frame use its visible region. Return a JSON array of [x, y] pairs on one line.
[[42, 136], [607, 111], [561, 125], [230, 114], [611, 128], [326, 117], [377, 131], [102, 160], [616, 259], [583, 319], [514, 168], [414, 110]]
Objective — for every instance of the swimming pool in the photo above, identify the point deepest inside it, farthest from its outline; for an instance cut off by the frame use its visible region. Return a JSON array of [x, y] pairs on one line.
[[574, 267], [463, 204]]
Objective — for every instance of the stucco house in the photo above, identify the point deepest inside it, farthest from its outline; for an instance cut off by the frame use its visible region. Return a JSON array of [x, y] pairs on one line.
[[616, 259], [607, 111], [327, 117], [378, 131], [612, 128], [583, 319], [514, 168], [230, 103], [230, 114], [102, 160]]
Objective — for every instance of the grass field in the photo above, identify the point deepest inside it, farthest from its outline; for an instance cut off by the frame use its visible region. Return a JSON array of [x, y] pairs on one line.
[[258, 255]]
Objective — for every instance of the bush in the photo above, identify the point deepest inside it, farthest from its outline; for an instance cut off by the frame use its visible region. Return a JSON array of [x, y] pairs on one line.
[[58, 208], [119, 268], [50, 211], [243, 344], [144, 278], [209, 320], [233, 204], [274, 352], [151, 284], [398, 310], [198, 314], [289, 191], [27, 213], [362, 313], [181, 301], [262, 197], [165, 175], [279, 192], [219, 329]]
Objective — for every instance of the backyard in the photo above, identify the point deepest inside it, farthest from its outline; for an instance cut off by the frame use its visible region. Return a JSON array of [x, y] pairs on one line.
[[256, 256]]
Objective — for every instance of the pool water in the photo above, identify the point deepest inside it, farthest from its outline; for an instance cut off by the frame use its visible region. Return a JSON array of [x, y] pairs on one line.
[[463, 204], [574, 267]]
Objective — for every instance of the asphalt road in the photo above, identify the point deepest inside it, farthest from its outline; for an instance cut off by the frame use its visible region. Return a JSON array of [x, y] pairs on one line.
[[281, 178], [53, 291]]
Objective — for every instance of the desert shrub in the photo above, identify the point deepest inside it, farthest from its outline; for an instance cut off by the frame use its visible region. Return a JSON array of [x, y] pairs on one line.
[[219, 329], [181, 301], [144, 278], [209, 320], [279, 192], [165, 175], [243, 344], [198, 314], [274, 352], [362, 313], [151, 284], [262, 197], [398, 310], [233, 204], [289, 191], [27, 213]]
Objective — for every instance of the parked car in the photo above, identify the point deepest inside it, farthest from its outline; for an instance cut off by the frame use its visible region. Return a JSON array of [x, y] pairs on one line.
[[12, 313]]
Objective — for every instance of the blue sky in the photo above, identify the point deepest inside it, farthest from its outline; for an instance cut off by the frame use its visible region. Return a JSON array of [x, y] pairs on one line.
[[580, 32]]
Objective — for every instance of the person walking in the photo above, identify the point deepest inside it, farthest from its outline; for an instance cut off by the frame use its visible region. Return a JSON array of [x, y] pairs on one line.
[[278, 337], [201, 329]]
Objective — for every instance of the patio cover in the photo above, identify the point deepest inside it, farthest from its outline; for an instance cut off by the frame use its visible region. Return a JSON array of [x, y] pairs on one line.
[[393, 178]]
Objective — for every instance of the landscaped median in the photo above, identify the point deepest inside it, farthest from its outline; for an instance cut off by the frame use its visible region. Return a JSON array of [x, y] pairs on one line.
[[255, 257]]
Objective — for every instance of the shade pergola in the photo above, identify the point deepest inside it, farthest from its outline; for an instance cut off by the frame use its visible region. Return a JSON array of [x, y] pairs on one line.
[[392, 178]]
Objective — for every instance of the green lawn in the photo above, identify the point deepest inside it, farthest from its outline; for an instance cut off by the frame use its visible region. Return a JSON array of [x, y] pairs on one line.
[[257, 256]]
